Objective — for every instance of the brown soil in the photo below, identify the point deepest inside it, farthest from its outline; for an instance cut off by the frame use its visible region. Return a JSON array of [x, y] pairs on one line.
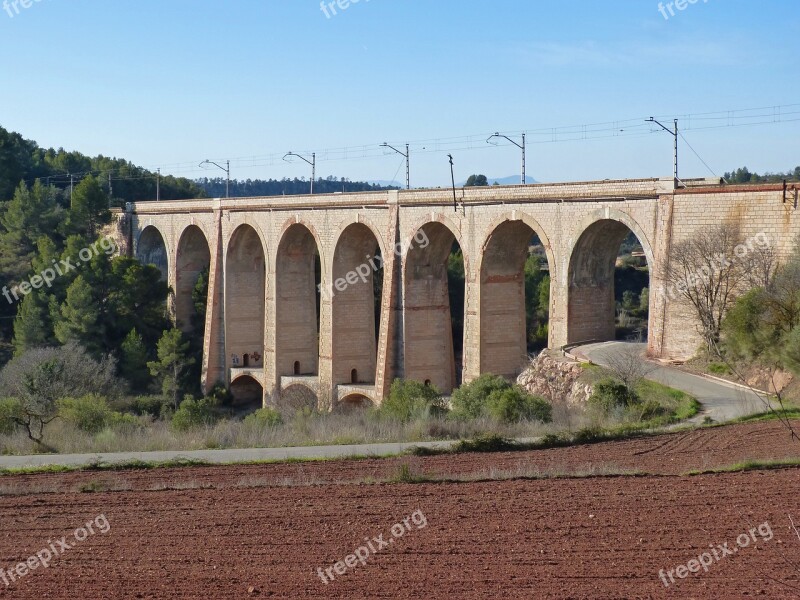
[[603, 537]]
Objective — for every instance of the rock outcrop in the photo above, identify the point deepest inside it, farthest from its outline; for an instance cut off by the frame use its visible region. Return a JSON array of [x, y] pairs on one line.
[[555, 378]]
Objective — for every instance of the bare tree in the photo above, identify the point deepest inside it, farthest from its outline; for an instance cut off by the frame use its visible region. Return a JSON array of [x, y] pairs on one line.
[[760, 266], [628, 364], [705, 272], [41, 377]]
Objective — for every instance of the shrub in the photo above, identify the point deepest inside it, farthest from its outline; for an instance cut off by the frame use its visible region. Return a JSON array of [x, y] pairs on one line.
[[652, 409], [147, 405], [122, 420], [610, 394], [193, 413], [264, 418], [89, 413], [410, 400], [9, 411], [40, 377], [719, 368], [469, 401], [495, 397], [589, 435], [406, 475], [514, 405], [221, 394]]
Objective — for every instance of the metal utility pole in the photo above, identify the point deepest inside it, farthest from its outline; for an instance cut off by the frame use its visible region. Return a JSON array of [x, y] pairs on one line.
[[312, 162], [673, 133], [407, 156], [453, 179], [520, 146], [158, 185], [227, 170]]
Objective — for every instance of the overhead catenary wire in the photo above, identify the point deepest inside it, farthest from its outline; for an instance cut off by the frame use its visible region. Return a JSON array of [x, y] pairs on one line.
[[700, 158], [627, 128]]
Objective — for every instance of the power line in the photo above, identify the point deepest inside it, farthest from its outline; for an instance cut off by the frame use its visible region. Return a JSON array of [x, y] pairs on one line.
[[627, 128], [700, 158]]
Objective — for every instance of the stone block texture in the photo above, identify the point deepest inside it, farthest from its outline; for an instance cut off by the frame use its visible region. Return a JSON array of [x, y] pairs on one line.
[[381, 310]]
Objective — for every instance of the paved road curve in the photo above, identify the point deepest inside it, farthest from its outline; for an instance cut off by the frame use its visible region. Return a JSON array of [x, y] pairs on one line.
[[721, 401]]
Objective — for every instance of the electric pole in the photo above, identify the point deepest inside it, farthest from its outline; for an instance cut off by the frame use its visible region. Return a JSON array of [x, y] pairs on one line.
[[673, 133], [312, 162], [453, 179], [407, 156], [518, 145], [227, 170]]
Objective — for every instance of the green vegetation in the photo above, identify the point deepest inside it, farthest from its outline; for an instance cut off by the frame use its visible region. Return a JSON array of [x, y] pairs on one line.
[[131, 465], [406, 475], [195, 413], [172, 366], [476, 181], [264, 418], [774, 415], [493, 396], [412, 400], [761, 330], [39, 379], [215, 188], [743, 175], [631, 289], [638, 403], [751, 465], [486, 443], [92, 414]]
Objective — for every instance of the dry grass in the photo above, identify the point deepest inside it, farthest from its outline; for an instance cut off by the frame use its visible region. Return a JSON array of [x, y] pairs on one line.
[[300, 430]]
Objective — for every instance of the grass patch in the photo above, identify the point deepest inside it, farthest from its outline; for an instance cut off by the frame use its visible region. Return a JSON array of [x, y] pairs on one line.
[[132, 465], [406, 475], [486, 443], [681, 405], [789, 413], [751, 465]]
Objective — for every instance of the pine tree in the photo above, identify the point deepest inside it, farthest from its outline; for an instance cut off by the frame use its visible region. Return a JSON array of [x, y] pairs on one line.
[[173, 364], [32, 213], [80, 320], [89, 208], [133, 363], [32, 326]]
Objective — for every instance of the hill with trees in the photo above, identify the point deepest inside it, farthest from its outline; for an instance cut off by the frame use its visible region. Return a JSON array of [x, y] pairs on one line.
[[743, 175]]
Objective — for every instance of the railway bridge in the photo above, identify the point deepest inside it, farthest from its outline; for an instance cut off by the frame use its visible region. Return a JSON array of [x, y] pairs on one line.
[[340, 294]]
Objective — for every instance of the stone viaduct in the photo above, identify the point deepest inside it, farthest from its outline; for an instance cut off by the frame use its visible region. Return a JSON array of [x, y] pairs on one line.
[[266, 331]]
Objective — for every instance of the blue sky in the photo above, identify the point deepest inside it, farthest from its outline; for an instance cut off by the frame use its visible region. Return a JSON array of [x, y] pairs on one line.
[[171, 82]]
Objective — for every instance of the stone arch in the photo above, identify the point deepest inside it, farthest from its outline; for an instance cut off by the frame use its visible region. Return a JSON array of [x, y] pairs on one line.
[[297, 397], [152, 250], [435, 218], [383, 244], [535, 227], [245, 299], [503, 323], [353, 402], [193, 258], [353, 302], [297, 302], [591, 305], [246, 390], [429, 345], [295, 221]]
